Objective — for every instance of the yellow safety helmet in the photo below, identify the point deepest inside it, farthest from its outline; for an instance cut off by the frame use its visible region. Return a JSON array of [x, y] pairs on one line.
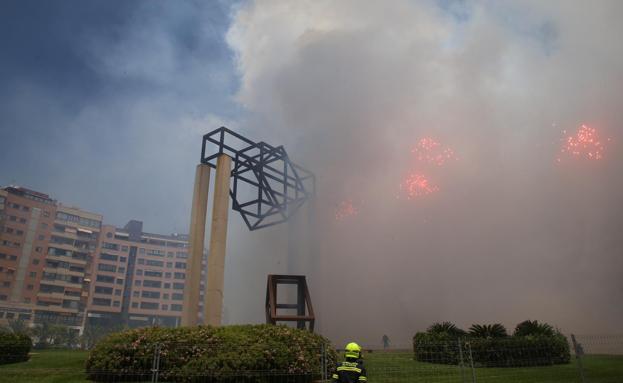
[[353, 350]]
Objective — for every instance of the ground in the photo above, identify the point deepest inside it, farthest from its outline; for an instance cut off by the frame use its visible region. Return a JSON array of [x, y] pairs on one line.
[[65, 366]]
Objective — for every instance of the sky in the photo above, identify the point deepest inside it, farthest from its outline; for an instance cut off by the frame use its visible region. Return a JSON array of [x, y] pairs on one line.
[[103, 105]]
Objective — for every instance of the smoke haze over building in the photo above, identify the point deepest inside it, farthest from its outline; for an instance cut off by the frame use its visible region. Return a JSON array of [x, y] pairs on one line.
[[349, 88]]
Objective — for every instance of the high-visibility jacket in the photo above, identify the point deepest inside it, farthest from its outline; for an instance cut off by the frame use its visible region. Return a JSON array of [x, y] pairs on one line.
[[349, 372]]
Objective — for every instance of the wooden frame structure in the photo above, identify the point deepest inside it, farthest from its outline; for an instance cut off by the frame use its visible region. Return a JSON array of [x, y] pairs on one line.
[[303, 305]]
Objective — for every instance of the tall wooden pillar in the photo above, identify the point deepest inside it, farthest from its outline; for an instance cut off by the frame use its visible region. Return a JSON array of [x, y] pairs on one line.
[[213, 305], [197, 235]]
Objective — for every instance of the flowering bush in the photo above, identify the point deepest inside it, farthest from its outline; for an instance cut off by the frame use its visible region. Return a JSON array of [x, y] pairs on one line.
[[250, 353]]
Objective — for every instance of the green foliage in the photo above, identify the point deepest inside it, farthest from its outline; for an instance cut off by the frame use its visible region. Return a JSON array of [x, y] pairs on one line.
[[14, 347], [52, 335], [489, 346], [94, 333], [488, 331], [533, 328], [448, 328], [224, 354]]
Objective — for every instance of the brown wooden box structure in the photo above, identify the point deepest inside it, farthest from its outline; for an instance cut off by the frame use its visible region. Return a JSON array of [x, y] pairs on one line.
[[303, 305]]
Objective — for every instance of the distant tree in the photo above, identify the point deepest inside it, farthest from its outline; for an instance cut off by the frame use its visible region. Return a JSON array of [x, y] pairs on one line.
[[488, 331], [448, 328], [42, 334], [18, 326], [533, 328]]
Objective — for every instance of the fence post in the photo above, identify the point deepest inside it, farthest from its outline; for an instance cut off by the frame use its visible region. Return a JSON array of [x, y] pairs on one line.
[[471, 362], [155, 365], [577, 349], [461, 362]]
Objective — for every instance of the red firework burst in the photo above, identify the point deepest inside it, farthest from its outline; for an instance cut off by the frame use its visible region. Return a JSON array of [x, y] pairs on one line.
[[584, 144], [345, 209], [417, 185], [430, 151]]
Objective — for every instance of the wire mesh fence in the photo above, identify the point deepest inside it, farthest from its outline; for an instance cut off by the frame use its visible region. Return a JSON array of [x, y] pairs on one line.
[[594, 359]]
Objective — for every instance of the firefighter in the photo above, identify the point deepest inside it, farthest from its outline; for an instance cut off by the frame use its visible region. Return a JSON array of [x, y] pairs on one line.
[[351, 370]]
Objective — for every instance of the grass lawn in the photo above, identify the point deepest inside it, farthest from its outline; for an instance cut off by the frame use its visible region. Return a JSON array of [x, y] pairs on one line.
[[67, 366], [47, 366]]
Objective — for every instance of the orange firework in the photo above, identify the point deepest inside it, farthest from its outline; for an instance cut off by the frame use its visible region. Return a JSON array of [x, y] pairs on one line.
[[345, 209], [429, 151], [417, 185], [585, 143]]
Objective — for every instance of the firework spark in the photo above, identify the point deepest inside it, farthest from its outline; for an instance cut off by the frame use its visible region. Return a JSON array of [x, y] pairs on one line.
[[430, 151], [417, 185], [585, 144], [345, 209]]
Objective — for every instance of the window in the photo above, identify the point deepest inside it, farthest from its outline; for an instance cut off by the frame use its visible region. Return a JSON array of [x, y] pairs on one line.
[[170, 254], [141, 261], [124, 248], [169, 264], [30, 287], [116, 303], [176, 307], [105, 267], [119, 281], [35, 261], [38, 249], [101, 302], [134, 305], [177, 296], [22, 220], [150, 283], [111, 246], [103, 290], [136, 293], [41, 237], [180, 265], [157, 274], [4, 298], [158, 253], [33, 274], [178, 286], [137, 283], [19, 232], [165, 307], [105, 278], [167, 275], [118, 292], [139, 272], [165, 296], [6, 284], [122, 259], [108, 235], [2, 256], [180, 276], [141, 250], [167, 285], [108, 257], [154, 263], [151, 294], [46, 214], [149, 305], [121, 269]]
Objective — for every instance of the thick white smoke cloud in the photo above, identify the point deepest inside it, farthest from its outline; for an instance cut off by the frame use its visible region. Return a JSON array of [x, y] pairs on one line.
[[350, 86]]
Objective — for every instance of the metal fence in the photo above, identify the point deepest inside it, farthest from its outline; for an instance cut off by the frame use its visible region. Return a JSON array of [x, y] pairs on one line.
[[593, 359]]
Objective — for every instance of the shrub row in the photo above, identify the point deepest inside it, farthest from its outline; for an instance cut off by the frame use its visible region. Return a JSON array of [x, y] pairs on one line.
[[250, 353], [14, 347], [509, 351]]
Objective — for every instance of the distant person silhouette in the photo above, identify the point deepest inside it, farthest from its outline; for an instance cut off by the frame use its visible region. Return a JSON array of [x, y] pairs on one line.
[[385, 342]]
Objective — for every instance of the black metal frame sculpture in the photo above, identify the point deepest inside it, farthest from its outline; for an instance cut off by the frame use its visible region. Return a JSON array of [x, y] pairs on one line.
[[277, 186]]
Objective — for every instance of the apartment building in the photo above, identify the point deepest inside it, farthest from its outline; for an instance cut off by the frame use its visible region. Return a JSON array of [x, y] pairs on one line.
[[139, 277], [26, 220], [64, 290], [62, 265]]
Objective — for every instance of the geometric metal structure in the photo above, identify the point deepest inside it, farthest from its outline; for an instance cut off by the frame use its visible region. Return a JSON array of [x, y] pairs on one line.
[[303, 305], [267, 187]]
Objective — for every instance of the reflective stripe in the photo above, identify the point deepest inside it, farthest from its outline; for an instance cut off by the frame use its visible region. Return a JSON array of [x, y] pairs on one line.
[[335, 376], [348, 368], [363, 379]]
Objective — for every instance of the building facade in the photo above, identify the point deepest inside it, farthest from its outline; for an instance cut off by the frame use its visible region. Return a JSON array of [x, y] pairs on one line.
[[62, 265]]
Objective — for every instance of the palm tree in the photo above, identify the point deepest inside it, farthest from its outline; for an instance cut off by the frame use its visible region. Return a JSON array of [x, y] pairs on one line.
[[533, 328], [448, 328], [488, 331]]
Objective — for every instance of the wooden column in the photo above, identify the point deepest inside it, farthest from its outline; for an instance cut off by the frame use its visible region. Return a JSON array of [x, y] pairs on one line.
[[213, 305], [196, 240]]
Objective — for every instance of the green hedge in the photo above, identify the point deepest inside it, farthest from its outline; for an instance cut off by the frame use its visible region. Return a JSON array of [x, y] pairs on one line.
[[14, 347], [248, 353], [515, 351]]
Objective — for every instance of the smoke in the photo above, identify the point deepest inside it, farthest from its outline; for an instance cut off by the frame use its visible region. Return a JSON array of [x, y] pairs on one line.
[[349, 87]]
